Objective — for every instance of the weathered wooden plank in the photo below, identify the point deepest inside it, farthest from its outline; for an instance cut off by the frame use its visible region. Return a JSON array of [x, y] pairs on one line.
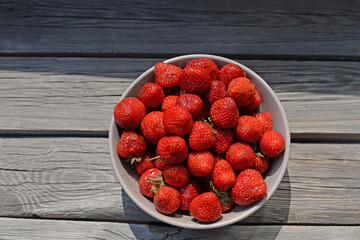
[[320, 28], [72, 178], [12, 228], [79, 94]]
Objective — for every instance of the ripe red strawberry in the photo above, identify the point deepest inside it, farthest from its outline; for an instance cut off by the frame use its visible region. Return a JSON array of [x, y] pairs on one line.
[[249, 187], [265, 119], [167, 200], [223, 175], [216, 92], [205, 111], [240, 156], [248, 129], [129, 112], [206, 63], [177, 120], [159, 163], [167, 75], [261, 164], [224, 113], [144, 163], [224, 139], [150, 181], [188, 193], [254, 103], [227, 206], [176, 175], [168, 102], [218, 157], [151, 94], [242, 90], [172, 149], [229, 72], [224, 196], [192, 103], [152, 127], [200, 163], [201, 136], [131, 144], [194, 80], [272, 144], [206, 207]]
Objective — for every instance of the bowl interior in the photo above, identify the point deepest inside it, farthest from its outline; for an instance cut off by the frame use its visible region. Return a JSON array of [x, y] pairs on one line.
[[129, 178]]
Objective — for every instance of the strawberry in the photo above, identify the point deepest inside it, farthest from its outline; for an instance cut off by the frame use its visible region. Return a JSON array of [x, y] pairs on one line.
[[201, 136], [167, 75], [261, 163], [249, 187], [150, 181], [144, 163], [172, 149], [176, 175], [255, 102], [229, 72], [188, 193], [151, 94], [216, 92], [224, 139], [178, 120], [223, 175], [224, 196], [240, 156], [168, 102], [248, 129], [242, 90], [192, 103], [272, 144], [265, 119], [200, 163], [194, 80], [131, 144], [152, 127], [218, 157], [205, 111], [206, 207], [159, 163], [224, 113], [167, 200], [206, 63], [129, 112]]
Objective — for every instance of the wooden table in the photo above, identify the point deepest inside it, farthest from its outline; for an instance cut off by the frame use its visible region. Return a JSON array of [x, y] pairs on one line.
[[64, 65]]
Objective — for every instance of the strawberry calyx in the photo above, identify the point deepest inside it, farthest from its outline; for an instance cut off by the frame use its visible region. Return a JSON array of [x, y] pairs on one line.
[[224, 197], [157, 183], [134, 160], [211, 125]]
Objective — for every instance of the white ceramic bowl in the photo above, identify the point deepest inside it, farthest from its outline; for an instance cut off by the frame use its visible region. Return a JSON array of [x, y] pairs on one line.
[[129, 178]]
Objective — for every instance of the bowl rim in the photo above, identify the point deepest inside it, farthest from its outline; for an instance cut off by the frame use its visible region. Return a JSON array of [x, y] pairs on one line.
[[254, 208]]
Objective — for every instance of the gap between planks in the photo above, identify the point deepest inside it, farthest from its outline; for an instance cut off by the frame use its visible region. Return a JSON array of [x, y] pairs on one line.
[[275, 57], [295, 137], [159, 223]]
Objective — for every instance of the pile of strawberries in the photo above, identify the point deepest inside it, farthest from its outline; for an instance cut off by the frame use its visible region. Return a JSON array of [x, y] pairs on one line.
[[197, 140]]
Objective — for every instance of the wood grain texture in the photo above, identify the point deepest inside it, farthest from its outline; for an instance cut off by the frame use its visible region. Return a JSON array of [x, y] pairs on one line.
[[72, 178], [315, 28], [79, 94], [17, 229]]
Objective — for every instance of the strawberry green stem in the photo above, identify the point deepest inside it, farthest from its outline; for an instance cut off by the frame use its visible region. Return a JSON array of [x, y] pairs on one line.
[[151, 159]]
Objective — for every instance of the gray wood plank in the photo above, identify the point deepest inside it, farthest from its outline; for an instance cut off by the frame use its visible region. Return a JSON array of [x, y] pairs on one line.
[[72, 178], [302, 28], [11, 228], [79, 94]]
